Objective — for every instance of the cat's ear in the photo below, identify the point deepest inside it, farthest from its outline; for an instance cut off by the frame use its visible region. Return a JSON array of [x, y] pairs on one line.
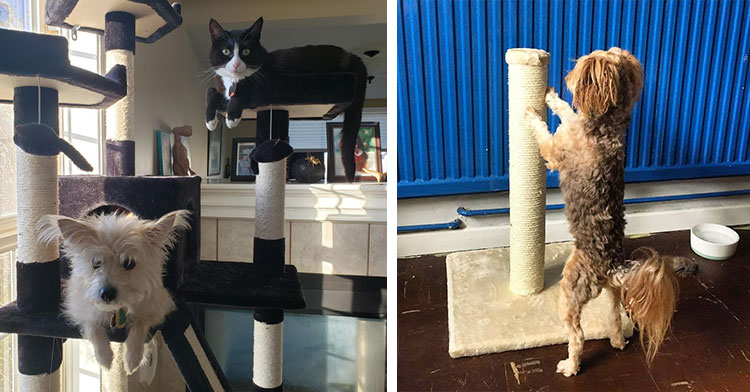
[[216, 30], [253, 33]]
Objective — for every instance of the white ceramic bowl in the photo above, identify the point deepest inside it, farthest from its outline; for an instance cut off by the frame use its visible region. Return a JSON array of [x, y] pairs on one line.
[[713, 242]]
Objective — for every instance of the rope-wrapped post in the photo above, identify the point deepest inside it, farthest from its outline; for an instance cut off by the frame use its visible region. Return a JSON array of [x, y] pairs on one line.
[[527, 85], [38, 262], [268, 252], [119, 44]]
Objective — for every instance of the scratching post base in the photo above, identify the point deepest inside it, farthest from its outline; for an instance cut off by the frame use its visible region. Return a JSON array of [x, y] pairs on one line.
[[484, 316]]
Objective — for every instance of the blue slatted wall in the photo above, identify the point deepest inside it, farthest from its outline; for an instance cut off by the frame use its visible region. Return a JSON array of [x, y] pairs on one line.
[[693, 119]]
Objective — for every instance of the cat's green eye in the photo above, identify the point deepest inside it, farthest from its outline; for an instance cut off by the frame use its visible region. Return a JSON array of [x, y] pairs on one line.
[[245, 52], [226, 52]]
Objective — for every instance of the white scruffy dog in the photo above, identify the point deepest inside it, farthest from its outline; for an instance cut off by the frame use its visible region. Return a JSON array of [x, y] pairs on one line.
[[117, 263]]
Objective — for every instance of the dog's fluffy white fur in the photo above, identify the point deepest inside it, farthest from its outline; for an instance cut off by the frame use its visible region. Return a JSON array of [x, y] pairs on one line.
[[117, 262]]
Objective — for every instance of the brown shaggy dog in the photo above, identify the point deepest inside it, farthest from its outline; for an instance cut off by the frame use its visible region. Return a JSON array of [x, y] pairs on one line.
[[588, 151]]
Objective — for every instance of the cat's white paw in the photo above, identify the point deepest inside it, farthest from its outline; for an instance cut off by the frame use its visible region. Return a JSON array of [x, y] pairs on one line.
[[567, 367], [233, 123], [103, 354], [133, 357], [211, 125]]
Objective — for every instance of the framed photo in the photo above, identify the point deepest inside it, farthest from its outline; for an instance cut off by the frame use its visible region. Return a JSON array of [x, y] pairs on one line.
[[367, 152], [214, 151], [164, 152], [241, 149]]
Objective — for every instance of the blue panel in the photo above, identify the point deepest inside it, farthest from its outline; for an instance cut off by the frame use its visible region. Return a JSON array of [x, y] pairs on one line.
[[432, 90], [693, 119]]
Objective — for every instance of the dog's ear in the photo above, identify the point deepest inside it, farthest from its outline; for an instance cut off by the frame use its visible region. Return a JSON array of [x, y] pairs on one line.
[[595, 80], [55, 227], [163, 232]]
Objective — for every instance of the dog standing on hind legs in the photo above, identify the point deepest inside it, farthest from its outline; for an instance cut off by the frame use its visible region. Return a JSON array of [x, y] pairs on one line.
[[588, 151]]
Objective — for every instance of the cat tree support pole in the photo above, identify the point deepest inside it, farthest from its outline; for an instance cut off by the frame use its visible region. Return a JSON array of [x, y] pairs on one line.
[[527, 85], [268, 254], [38, 263], [119, 44]]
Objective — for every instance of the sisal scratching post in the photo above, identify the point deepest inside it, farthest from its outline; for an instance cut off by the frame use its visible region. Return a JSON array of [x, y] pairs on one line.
[[527, 84], [268, 252], [119, 43], [115, 379], [269, 227], [38, 264]]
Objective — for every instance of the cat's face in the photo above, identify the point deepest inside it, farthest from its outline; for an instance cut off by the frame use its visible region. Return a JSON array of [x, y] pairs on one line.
[[236, 54]]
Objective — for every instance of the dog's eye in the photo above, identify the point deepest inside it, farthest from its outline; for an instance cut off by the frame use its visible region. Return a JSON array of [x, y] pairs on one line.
[[129, 263], [96, 263], [226, 52], [245, 52]]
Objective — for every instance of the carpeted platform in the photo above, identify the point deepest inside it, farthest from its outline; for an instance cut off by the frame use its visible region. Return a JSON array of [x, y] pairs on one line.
[[484, 316]]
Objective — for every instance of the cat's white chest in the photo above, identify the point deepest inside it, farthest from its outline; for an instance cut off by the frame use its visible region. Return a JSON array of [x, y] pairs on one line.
[[228, 83]]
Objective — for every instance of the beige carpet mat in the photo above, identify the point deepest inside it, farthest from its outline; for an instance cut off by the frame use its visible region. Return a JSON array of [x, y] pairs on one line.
[[484, 316]]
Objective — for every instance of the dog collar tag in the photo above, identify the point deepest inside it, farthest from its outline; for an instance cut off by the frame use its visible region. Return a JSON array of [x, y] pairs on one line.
[[119, 319], [232, 89]]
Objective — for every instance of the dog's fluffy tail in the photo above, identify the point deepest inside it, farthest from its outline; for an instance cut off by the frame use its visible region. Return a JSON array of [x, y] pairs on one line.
[[649, 294]]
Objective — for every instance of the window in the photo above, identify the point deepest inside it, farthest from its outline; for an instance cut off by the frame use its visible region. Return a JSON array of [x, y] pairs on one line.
[[83, 127]]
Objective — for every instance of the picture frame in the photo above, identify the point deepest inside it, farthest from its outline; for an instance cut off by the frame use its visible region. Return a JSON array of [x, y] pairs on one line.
[[213, 162], [164, 153], [368, 142], [241, 149]]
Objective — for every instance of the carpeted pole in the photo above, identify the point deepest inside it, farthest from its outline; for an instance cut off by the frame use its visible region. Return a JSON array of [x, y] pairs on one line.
[[38, 264], [268, 255], [119, 43], [527, 85]]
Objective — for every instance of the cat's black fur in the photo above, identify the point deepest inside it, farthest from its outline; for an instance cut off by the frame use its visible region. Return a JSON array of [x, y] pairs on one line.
[[39, 139], [311, 59]]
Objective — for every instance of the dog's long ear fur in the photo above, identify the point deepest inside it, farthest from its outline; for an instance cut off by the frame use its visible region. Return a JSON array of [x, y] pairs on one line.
[[163, 232], [56, 227], [595, 81]]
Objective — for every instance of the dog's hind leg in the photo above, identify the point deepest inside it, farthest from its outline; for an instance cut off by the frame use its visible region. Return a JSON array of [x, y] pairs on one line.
[[577, 287], [616, 338]]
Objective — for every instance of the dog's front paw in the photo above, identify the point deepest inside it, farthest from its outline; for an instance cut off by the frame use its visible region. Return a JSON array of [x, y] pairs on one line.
[[103, 354], [531, 115], [618, 342], [233, 123], [133, 357], [550, 96], [211, 125], [567, 367]]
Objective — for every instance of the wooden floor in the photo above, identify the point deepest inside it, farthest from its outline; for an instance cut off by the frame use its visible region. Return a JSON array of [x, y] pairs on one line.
[[708, 349]]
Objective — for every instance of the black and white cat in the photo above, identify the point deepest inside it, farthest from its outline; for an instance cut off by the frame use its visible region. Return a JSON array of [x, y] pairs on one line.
[[242, 63]]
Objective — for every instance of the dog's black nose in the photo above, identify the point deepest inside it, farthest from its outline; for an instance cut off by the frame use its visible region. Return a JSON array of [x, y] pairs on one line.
[[108, 294]]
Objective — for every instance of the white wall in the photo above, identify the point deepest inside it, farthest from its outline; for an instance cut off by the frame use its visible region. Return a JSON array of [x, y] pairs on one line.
[[168, 94]]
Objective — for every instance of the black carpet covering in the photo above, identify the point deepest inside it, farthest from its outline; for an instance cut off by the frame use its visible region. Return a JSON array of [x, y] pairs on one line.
[[31, 55], [58, 12], [241, 285]]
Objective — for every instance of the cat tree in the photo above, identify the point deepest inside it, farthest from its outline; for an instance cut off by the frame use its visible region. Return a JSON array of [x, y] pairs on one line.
[[38, 64], [506, 299], [36, 76], [116, 20]]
